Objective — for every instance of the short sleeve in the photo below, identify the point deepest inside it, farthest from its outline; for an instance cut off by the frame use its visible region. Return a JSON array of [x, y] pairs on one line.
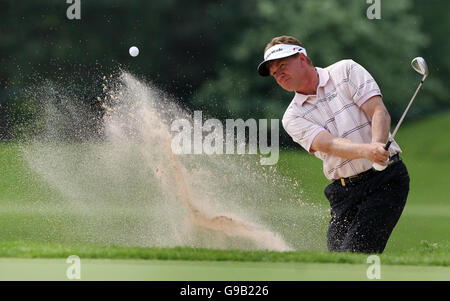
[[361, 84], [302, 131]]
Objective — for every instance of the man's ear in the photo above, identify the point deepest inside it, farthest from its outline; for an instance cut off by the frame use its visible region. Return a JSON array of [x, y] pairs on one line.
[[302, 58]]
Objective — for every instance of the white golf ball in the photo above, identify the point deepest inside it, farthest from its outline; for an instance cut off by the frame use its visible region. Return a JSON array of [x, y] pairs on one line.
[[134, 51]]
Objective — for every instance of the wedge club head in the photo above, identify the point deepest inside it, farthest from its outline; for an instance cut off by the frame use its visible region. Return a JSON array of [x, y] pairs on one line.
[[420, 66]]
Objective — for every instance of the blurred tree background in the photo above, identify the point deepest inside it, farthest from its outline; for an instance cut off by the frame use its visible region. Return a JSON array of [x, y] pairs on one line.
[[204, 53]]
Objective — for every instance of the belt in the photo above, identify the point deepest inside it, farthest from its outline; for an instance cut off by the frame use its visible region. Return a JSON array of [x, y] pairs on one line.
[[364, 175]]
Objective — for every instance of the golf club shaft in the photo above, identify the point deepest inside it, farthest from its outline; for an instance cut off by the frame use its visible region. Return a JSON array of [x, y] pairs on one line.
[[403, 116]]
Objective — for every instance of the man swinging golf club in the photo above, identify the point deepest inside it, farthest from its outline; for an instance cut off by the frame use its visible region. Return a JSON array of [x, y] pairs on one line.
[[338, 115]]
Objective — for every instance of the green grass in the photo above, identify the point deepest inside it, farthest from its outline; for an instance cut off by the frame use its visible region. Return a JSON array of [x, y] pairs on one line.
[[425, 254], [421, 237], [181, 270]]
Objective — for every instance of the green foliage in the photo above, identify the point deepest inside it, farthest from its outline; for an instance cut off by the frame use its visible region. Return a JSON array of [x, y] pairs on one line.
[[434, 16], [179, 43], [205, 53]]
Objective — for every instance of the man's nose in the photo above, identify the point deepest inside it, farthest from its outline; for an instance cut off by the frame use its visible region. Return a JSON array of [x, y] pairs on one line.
[[280, 75]]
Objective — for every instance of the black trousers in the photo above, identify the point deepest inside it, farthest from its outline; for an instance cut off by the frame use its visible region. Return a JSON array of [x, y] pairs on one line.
[[364, 214]]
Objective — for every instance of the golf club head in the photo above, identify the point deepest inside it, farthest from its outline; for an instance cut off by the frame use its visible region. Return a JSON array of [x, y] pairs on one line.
[[420, 66]]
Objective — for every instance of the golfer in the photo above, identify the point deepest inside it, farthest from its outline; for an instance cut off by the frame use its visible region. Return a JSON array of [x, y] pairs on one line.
[[338, 115]]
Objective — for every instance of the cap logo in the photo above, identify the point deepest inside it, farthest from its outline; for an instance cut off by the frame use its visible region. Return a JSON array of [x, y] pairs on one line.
[[273, 51], [285, 48]]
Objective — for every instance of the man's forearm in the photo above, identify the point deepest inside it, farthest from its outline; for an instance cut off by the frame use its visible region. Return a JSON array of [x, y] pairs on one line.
[[381, 123], [345, 148]]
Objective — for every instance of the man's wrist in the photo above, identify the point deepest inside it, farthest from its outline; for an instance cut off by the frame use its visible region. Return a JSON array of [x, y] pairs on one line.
[[379, 140], [364, 150]]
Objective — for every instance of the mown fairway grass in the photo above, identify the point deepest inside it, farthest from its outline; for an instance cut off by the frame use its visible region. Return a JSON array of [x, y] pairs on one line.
[[180, 270], [421, 238]]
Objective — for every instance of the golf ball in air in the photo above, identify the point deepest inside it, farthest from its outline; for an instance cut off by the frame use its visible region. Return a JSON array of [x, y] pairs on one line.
[[134, 51]]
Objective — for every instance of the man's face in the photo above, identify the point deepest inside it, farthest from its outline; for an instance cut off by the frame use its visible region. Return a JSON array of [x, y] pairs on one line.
[[289, 72]]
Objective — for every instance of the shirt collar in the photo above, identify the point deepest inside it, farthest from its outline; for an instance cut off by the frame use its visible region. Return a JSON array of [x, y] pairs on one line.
[[323, 79]]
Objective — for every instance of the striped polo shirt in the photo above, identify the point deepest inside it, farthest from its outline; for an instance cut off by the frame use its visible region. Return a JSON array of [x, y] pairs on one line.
[[343, 88]]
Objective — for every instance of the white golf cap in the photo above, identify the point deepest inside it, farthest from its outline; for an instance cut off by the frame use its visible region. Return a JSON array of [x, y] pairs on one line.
[[278, 51]]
